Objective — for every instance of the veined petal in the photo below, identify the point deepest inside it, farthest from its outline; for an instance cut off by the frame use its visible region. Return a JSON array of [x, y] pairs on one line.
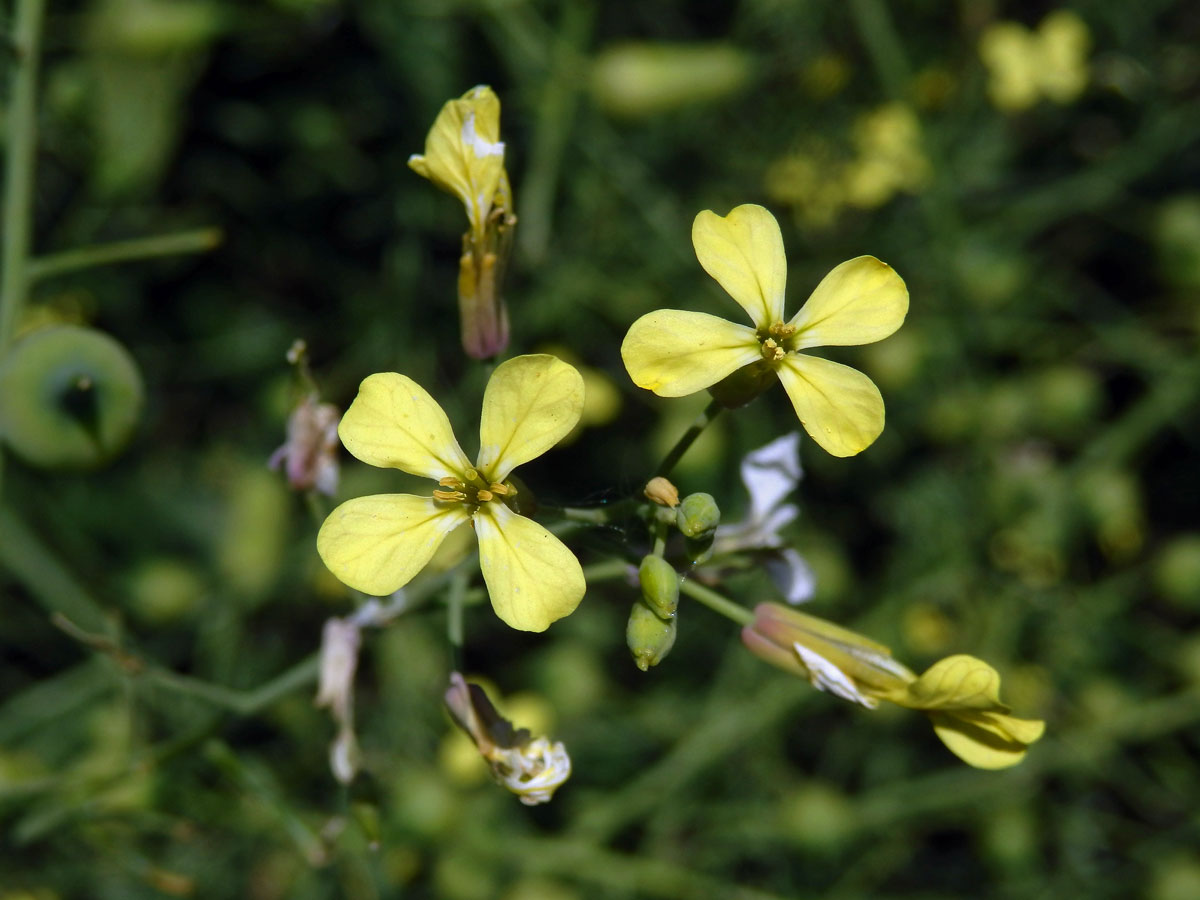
[[674, 352], [377, 544], [530, 404], [394, 423], [463, 151], [986, 742], [532, 578], [743, 251], [860, 301], [839, 407]]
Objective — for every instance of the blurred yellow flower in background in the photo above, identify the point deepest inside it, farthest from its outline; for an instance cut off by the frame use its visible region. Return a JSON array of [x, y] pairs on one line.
[[676, 352], [1025, 66], [378, 544]]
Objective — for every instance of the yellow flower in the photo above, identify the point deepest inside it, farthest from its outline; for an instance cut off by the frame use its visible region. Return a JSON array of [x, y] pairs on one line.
[[675, 352], [378, 544], [960, 694], [1024, 65], [465, 156]]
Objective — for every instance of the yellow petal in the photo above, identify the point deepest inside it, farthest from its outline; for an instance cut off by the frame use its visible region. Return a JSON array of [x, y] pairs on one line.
[[377, 544], [861, 301], [532, 578], [839, 407], [983, 743], [530, 404], [394, 423], [743, 251], [957, 682], [674, 352], [463, 152]]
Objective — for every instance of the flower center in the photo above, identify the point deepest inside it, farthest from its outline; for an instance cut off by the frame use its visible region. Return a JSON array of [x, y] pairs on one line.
[[775, 341], [471, 489]]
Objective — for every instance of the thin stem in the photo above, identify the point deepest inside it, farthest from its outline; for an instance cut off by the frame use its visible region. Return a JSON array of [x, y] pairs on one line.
[[17, 216], [19, 166], [716, 602], [689, 437], [454, 612], [199, 240]]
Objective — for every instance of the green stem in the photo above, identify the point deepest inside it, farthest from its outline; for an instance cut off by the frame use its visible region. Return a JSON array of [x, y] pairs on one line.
[[689, 437], [716, 602], [199, 240], [605, 571], [454, 613], [19, 166], [17, 216]]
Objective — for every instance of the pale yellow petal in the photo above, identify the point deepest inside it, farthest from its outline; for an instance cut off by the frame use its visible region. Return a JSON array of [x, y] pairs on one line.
[[532, 578], [957, 682], [982, 743], [743, 251], [377, 544], [530, 404], [463, 151], [674, 352], [860, 301], [839, 407], [394, 423]]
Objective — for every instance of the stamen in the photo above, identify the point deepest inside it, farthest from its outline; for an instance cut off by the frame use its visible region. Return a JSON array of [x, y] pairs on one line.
[[483, 496], [500, 490], [771, 351], [451, 482], [450, 496], [779, 329]]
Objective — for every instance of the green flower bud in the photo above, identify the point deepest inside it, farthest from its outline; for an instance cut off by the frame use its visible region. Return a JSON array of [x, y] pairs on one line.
[[70, 397], [698, 516], [660, 586], [649, 638]]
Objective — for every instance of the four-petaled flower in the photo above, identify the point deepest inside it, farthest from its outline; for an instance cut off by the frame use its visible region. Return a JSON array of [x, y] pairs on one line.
[[677, 352], [378, 544]]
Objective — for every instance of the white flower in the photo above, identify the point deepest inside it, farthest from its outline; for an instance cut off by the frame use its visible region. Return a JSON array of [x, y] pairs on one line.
[[770, 474]]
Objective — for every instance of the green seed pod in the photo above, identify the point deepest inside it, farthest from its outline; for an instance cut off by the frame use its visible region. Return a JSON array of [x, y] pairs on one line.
[[70, 398], [650, 638], [660, 586], [698, 516]]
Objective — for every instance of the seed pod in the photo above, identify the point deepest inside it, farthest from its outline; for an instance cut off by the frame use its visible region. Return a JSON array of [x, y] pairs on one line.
[[649, 638], [70, 397], [660, 586]]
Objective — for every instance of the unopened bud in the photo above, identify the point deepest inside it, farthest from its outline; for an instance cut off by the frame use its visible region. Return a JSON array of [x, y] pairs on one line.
[[662, 492], [660, 586], [698, 516], [649, 638]]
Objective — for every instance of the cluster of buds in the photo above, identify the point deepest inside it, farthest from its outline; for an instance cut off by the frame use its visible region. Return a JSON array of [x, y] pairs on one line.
[[532, 768], [960, 694], [465, 156]]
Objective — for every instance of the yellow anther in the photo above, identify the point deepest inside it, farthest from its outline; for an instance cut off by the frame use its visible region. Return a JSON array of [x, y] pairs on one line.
[[500, 490], [451, 482], [771, 351], [483, 496], [779, 329], [452, 496]]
